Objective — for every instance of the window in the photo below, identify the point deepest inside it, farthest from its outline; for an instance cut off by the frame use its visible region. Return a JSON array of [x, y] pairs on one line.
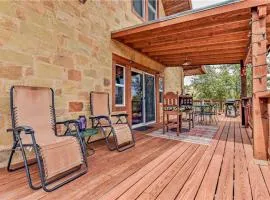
[[138, 6], [152, 10], [146, 9], [161, 90], [119, 85]]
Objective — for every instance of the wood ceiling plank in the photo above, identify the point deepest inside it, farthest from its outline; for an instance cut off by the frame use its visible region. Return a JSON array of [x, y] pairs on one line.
[[195, 49], [204, 54], [217, 37], [197, 44], [223, 62], [215, 52], [208, 57], [190, 31]]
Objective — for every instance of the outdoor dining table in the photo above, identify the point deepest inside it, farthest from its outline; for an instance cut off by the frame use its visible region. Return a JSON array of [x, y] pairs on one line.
[[202, 108]]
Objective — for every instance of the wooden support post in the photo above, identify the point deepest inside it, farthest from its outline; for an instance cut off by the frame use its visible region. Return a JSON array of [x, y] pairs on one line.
[[259, 49], [243, 74], [243, 79]]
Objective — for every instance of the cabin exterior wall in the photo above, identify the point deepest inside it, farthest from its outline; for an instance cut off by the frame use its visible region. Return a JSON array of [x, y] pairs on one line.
[[64, 45]]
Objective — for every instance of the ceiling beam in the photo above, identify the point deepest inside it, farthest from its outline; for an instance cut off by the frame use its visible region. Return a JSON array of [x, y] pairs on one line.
[[197, 45], [195, 49]]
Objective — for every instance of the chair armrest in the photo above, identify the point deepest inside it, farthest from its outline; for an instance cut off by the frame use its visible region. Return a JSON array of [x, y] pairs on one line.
[[67, 122], [99, 117], [19, 129], [119, 115]]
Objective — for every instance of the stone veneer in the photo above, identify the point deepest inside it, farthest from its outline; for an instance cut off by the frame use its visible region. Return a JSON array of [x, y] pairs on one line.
[[65, 45], [174, 77]]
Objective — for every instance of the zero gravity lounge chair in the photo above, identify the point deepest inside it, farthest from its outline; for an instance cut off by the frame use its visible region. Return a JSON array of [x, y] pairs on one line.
[[34, 125], [120, 131]]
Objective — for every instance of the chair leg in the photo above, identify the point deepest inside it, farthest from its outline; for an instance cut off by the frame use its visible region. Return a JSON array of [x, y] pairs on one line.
[[189, 121], [178, 125], [11, 156], [9, 169], [192, 120], [90, 144], [28, 175], [163, 123], [107, 139]]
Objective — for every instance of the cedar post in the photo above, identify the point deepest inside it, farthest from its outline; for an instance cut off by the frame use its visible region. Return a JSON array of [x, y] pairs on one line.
[[259, 50], [243, 74], [243, 79]]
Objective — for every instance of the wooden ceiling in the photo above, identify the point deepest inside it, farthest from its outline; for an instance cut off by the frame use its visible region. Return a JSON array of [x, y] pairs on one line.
[[218, 35], [175, 6]]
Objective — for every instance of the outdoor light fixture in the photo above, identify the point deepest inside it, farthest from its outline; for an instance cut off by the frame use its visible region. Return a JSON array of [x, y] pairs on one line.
[[187, 62]]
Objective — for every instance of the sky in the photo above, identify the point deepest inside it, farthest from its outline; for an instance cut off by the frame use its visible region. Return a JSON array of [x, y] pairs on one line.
[[199, 4], [203, 3]]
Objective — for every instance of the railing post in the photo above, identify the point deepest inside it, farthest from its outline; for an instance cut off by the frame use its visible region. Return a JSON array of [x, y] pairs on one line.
[[259, 50], [243, 74]]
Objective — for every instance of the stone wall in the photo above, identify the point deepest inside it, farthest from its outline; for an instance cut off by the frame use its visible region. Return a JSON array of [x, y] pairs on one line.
[[65, 45], [174, 77]]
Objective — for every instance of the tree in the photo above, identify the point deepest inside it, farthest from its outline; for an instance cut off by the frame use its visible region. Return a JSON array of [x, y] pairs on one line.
[[220, 82]]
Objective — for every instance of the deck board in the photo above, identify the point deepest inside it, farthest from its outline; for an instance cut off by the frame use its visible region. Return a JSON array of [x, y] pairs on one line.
[[162, 169]]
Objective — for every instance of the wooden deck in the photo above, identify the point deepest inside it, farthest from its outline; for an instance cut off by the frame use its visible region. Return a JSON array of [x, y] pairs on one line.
[[163, 169]]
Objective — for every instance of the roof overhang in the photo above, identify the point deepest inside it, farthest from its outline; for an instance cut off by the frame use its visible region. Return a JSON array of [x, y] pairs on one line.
[[219, 34]]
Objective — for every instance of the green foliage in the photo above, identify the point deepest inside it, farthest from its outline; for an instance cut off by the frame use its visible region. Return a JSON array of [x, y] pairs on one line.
[[220, 82]]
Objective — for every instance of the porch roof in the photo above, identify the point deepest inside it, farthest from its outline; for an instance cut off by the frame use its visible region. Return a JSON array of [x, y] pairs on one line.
[[219, 34]]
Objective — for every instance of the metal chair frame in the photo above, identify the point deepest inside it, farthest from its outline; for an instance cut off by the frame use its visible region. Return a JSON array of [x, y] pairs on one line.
[[96, 123], [18, 143]]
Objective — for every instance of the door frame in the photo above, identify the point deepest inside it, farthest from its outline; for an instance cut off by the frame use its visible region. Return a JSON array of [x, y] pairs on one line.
[[144, 123]]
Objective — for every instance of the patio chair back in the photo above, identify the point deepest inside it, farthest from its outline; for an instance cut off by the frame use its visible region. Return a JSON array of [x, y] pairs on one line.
[[33, 106], [99, 103], [170, 101]]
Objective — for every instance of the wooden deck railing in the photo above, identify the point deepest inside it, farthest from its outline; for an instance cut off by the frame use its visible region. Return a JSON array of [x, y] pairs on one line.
[[219, 103], [247, 105]]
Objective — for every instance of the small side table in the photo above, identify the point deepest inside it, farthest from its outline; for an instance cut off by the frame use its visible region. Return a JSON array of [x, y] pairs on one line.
[[89, 132]]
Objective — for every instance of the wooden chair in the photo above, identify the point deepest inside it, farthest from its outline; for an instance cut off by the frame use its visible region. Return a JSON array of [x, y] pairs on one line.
[[171, 108], [186, 103]]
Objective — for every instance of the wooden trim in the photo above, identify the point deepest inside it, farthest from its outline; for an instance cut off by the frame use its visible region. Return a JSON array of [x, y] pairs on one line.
[[128, 64], [124, 61]]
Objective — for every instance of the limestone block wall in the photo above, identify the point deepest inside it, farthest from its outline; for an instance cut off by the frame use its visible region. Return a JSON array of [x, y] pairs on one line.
[[174, 77], [65, 45]]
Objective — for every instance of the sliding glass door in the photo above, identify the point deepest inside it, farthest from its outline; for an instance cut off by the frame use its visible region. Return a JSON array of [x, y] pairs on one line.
[[143, 98], [150, 100], [137, 98]]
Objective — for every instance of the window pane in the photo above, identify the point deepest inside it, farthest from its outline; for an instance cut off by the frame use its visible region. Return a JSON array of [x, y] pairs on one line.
[[151, 15], [153, 3], [119, 95], [119, 75], [138, 6]]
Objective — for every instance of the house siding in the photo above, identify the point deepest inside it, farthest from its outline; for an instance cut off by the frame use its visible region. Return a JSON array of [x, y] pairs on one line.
[[64, 45]]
